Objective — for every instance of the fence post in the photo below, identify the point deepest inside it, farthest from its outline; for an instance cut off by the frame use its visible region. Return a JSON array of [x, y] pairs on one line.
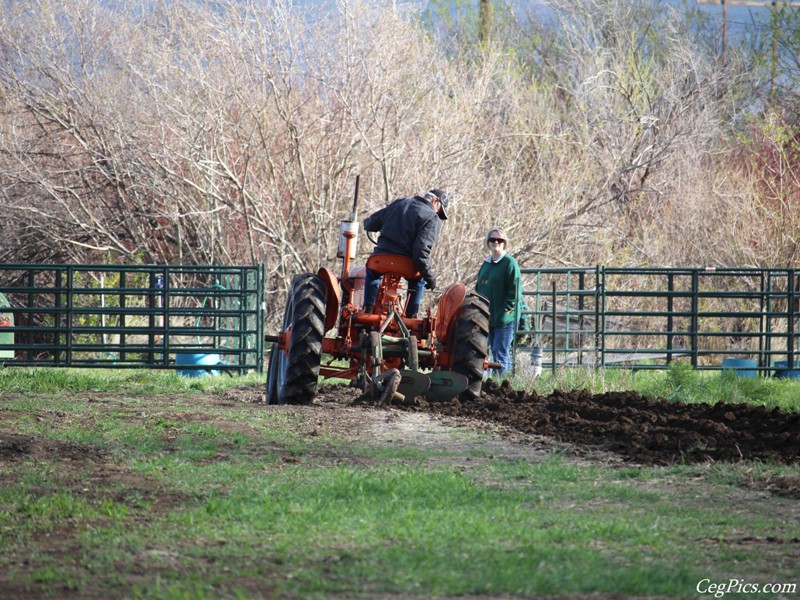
[[763, 341], [600, 316], [123, 283], [31, 314], [58, 317], [261, 306], [694, 324], [790, 310], [553, 355], [581, 286], [518, 296], [70, 316], [151, 318], [670, 310], [567, 307], [165, 301]]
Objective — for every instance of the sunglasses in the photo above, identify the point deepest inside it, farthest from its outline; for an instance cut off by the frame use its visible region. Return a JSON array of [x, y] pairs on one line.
[[496, 241]]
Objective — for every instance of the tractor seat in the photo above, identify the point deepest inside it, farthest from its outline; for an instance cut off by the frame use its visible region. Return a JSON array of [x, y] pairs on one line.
[[395, 264]]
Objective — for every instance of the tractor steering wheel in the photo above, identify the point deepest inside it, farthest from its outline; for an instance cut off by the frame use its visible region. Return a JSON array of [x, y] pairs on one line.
[[369, 237]]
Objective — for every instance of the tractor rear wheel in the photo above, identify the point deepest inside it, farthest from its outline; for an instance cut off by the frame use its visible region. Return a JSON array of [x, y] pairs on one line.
[[293, 376], [470, 342]]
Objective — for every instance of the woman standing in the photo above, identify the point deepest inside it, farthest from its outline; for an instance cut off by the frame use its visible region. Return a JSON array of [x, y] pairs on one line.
[[499, 282]]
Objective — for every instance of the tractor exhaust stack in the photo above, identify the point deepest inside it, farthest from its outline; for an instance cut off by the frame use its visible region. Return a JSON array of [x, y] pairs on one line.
[[347, 236]]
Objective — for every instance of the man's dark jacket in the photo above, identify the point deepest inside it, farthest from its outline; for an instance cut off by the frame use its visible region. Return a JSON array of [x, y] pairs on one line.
[[409, 227]]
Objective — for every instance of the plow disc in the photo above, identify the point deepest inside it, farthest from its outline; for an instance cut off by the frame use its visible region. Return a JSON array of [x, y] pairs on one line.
[[413, 383], [437, 386], [445, 385]]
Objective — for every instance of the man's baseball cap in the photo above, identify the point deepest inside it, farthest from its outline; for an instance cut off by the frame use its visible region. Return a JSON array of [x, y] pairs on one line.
[[442, 197]]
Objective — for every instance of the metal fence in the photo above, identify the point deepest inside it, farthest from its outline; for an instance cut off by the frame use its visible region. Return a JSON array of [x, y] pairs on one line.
[[153, 316], [711, 318], [195, 318]]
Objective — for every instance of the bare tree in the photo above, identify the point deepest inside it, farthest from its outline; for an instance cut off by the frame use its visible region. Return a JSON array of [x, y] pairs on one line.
[[232, 132]]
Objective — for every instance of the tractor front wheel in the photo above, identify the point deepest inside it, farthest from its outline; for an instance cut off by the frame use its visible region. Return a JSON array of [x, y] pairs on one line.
[[470, 342], [292, 377]]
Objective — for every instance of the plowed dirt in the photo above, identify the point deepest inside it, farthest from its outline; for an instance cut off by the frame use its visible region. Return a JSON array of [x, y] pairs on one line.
[[643, 430]]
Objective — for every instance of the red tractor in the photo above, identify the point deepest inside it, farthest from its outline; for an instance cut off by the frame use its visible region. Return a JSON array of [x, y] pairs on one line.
[[390, 356]]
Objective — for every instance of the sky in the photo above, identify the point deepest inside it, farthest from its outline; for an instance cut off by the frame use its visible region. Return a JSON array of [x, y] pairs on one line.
[[740, 17]]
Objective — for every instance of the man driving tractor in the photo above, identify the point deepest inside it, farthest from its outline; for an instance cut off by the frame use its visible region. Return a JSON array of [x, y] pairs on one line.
[[357, 325], [408, 227]]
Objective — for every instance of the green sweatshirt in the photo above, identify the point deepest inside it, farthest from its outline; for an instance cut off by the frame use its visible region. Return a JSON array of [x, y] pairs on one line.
[[498, 282]]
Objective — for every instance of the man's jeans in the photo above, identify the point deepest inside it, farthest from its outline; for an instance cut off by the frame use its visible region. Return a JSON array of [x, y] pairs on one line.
[[415, 289], [500, 345]]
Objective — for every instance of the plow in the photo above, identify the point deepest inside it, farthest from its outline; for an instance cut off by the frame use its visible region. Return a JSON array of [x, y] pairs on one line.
[[327, 333]]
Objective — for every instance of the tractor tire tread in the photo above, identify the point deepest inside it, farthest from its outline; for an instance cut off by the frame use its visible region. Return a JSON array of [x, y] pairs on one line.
[[471, 342], [308, 329]]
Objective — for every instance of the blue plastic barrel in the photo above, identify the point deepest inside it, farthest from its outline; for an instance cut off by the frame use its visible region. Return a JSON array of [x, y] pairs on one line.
[[742, 367], [783, 371], [207, 360]]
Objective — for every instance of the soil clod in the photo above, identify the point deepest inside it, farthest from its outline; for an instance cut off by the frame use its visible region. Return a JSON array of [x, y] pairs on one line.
[[638, 428]]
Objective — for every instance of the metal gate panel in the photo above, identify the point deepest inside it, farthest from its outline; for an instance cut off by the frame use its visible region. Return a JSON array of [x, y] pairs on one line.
[[127, 316], [647, 318]]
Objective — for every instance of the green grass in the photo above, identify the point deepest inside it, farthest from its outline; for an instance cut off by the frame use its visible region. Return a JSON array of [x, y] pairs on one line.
[[173, 494], [134, 381], [680, 383]]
